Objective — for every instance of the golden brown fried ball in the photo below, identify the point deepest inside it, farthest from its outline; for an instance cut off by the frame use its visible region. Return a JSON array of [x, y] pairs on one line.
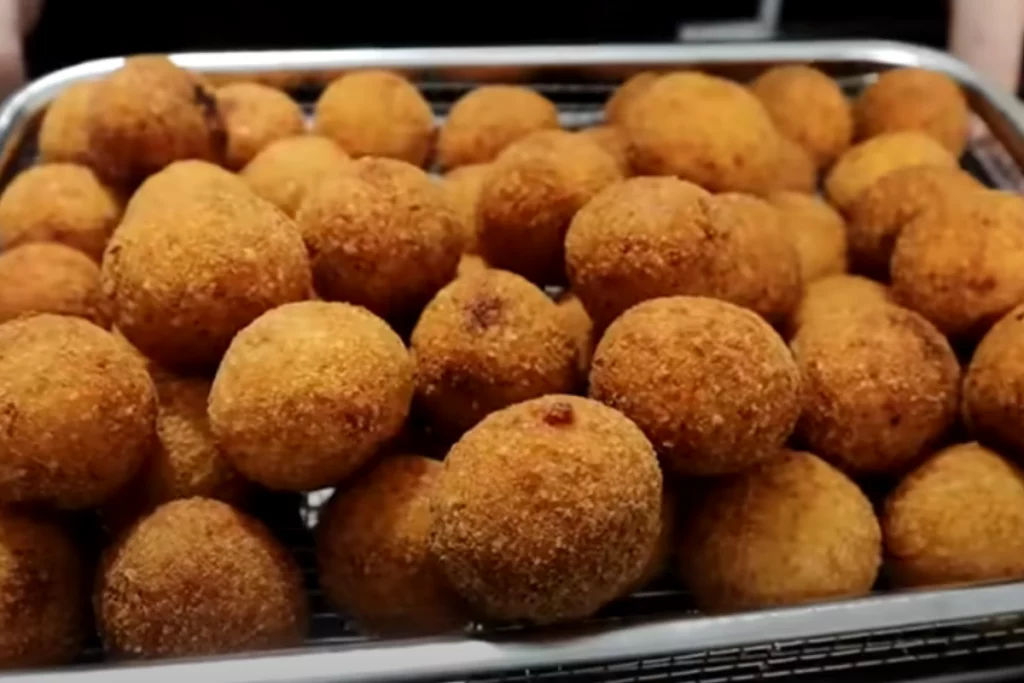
[[78, 412], [627, 93], [198, 577], [661, 555], [881, 211], [993, 387], [957, 518], [254, 116], [381, 235], [576, 321], [462, 188], [881, 386], [794, 169], [488, 119], [547, 510], [837, 294], [488, 340], [43, 583], [58, 203], [809, 108], [816, 230], [915, 99], [373, 551], [51, 278], [711, 384], [308, 392], [470, 263], [704, 129], [864, 164], [613, 140], [63, 135], [284, 171], [791, 530], [376, 113], [530, 195], [198, 257]]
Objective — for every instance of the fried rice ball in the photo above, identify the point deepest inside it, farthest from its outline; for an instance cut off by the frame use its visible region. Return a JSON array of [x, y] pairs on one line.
[[704, 129], [837, 294], [488, 340], [612, 140], [958, 518], [881, 386], [576, 321], [864, 164], [373, 551], [794, 169], [816, 230], [284, 171], [530, 195], [993, 389], [381, 235], [808, 107], [462, 187], [791, 530], [488, 119], [547, 510], [918, 100], [166, 590], [661, 555], [254, 116], [376, 113], [58, 202], [78, 412], [308, 392], [626, 94], [51, 278], [63, 135], [881, 211], [197, 257], [711, 384]]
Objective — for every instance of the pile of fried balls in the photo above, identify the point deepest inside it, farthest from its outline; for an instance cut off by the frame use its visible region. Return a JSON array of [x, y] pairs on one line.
[[566, 365]]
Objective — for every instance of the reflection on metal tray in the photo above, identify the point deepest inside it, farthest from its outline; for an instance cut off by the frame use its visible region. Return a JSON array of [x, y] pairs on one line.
[[653, 635]]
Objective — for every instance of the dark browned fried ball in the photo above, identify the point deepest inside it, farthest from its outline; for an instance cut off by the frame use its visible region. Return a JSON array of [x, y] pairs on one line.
[[993, 389], [198, 577], [77, 413], [613, 140], [63, 135], [711, 384], [376, 113], [627, 93], [373, 551], [837, 294], [51, 278], [547, 510], [881, 386], [254, 116], [816, 230], [462, 187], [308, 393], [284, 171], [792, 530], [576, 321], [958, 518], [794, 169]]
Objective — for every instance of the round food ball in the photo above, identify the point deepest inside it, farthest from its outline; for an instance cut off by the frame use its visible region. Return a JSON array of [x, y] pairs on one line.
[[881, 386], [547, 510], [78, 412], [711, 384], [817, 231], [462, 187], [915, 99], [837, 294], [794, 169], [373, 551], [612, 140], [166, 590], [51, 278], [531, 194], [486, 341], [791, 530], [957, 518], [626, 94], [661, 555], [576, 321], [308, 393], [470, 263], [993, 389], [254, 116], [58, 203], [376, 113], [63, 135], [809, 108], [284, 171]]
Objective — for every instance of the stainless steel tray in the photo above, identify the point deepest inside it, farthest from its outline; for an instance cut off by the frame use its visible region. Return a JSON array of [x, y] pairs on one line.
[[653, 635]]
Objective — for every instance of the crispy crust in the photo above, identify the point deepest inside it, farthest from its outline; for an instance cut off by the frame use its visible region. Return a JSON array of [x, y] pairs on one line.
[[51, 278], [284, 171], [254, 116], [817, 231], [994, 386]]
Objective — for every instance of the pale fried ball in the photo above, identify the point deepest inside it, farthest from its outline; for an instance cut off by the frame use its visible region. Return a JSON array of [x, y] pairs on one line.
[[794, 169], [993, 390], [63, 135], [613, 140], [462, 188], [51, 278], [837, 294], [284, 171], [627, 93], [254, 116], [816, 230]]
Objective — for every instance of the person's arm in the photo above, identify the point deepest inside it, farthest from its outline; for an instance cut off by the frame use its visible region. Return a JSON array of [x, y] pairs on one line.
[[17, 17], [988, 35]]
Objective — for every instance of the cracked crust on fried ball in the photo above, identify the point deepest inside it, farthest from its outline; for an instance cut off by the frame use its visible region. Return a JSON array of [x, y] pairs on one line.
[[993, 389], [285, 171], [462, 188], [817, 231], [51, 278], [254, 116], [836, 294], [626, 94], [63, 135]]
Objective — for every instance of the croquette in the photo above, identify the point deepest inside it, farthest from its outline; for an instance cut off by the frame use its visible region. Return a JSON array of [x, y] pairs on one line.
[[791, 530], [809, 108], [530, 195], [626, 94], [661, 555], [43, 583], [197, 257], [373, 551], [63, 135], [612, 140], [993, 389], [381, 235], [711, 384], [956, 519], [816, 230], [794, 169], [78, 412], [837, 294], [881, 387], [58, 202], [308, 393], [546, 510], [470, 263], [462, 188], [488, 119], [918, 100], [254, 116], [376, 113], [576, 321], [51, 278], [704, 129], [864, 164], [488, 340], [164, 589], [284, 171]]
